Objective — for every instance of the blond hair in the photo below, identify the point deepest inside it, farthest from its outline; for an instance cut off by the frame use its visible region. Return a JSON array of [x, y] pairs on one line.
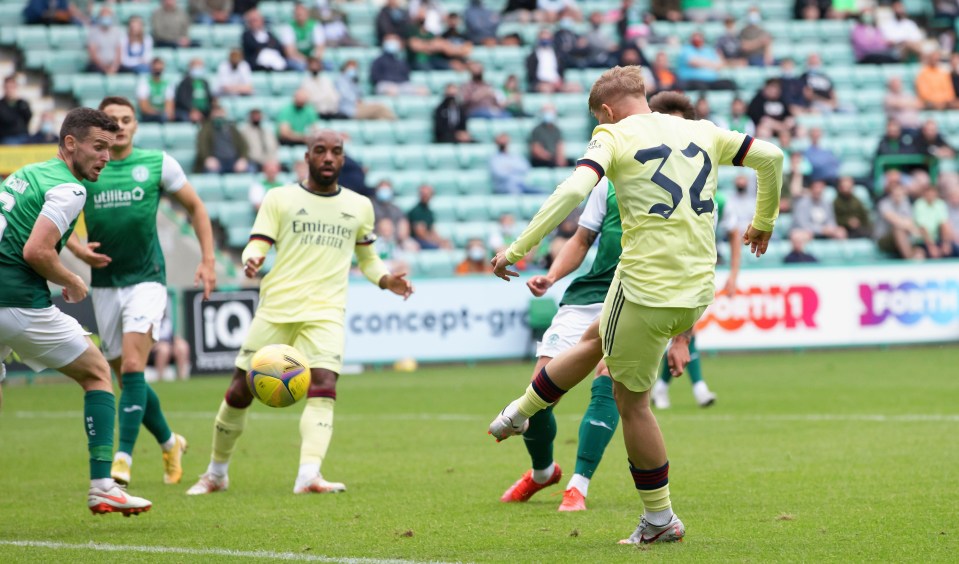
[[617, 83]]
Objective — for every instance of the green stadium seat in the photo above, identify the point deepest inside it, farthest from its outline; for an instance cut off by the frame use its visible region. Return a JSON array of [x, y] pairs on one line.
[[414, 106], [65, 63], [377, 132], [225, 35], [64, 38], [236, 187], [32, 37], [530, 204], [512, 60], [11, 14], [202, 35], [208, 187], [179, 136], [472, 208], [352, 128], [432, 263], [470, 156], [444, 207], [236, 214], [282, 84], [463, 232], [376, 156], [833, 31], [444, 182], [122, 85], [126, 10], [440, 156], [88, 86], [541, 178], [500, 204], [413, 131], [183, 155], [237, 236], [474, 182], [149, 136]]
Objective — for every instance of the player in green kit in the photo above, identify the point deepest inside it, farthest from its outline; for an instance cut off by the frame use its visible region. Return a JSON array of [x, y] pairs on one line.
[[664, 170], [129, 276], [39, 205]]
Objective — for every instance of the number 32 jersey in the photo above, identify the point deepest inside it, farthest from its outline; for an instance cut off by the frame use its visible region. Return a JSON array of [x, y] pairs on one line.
[[664, 170]]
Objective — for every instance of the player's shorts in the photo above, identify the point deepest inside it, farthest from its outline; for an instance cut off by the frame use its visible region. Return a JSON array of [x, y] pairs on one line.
[[569, 324], [44, 338], [321, 341], [635, 337], [131, 309]]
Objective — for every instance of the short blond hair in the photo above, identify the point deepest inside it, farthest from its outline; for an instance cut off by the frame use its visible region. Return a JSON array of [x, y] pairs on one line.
[[615, 84]]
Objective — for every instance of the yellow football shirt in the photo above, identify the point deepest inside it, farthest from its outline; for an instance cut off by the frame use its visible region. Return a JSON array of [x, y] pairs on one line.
[[664, 169], [315, 236]]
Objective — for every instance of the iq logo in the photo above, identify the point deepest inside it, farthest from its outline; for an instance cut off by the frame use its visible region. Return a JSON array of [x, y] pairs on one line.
[[764, 308], [910, 302]]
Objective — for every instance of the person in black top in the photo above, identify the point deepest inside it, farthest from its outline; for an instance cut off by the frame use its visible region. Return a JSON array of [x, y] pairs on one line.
[[449, 119], [769, 112], [15, 114]]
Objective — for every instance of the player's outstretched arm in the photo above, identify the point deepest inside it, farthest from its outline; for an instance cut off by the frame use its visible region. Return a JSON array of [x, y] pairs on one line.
[[374, 269], [206, 271], [767, 160], [570, 257], [40, 252]]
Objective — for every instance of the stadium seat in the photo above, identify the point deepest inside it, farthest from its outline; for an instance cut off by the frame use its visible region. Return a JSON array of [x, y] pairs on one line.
[[208, 187], [236, 187], [237, 236], [413, 131], [434, 263], [122, 85], [88, 86], [464, 231], [474, 182], [282, 84], [502, 204], [236, 214], [179, 135], [32, 37], [149, 136], [65, 38], [530, 204], [444, 207], [226, 35], [473, 208]]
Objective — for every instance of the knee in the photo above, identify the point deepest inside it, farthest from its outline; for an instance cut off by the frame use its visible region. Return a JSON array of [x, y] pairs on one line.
[[238, 394], [322, 383]]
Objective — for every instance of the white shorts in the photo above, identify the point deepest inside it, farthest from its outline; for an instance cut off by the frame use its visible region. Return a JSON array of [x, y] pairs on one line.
[[130, 309], [569, 324], [44, 338]]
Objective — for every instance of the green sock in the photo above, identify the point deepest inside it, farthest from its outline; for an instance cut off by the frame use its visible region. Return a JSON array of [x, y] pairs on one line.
[[99, 411], [695, 369], [664, 373], [153, 418], [133, 404], [539, 438], [597, 427]]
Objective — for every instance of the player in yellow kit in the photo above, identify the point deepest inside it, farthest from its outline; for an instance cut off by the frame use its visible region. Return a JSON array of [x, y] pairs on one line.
[[316, 226], [664, 170]]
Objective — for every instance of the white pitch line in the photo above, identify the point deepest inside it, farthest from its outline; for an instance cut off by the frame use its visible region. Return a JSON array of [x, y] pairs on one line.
[[265, 554]]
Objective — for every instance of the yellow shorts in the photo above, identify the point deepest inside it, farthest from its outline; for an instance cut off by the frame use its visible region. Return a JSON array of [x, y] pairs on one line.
[[635, 337], [321, 342]]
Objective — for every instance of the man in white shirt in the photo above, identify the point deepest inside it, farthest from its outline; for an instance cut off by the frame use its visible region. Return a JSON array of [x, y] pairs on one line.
[[234, 76], [901, 32]]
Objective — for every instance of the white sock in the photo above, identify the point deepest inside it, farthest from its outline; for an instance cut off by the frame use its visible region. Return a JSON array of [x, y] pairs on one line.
[[579, 482], [659, 518], [169, 444], [218, 468], [104, 484], [543, 476], [124, 457], [307, 472]]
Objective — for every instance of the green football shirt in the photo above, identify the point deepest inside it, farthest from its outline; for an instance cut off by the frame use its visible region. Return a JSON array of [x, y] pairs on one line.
[[48, 189], [121, 213], [600, 216], [300, 119]]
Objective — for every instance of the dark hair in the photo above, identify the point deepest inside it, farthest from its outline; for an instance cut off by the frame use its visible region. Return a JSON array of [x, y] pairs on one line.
[[116, 101], [79, 121], [672, 103]]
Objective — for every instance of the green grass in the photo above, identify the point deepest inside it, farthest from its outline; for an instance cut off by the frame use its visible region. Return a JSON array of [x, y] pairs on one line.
[[789, 465]]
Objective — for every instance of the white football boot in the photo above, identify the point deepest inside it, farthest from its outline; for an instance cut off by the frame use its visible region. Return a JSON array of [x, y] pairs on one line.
[[209, 483], [115, 500]]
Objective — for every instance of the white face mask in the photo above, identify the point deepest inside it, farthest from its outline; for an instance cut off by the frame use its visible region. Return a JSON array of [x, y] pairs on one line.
[[384, 194], [476, 254]]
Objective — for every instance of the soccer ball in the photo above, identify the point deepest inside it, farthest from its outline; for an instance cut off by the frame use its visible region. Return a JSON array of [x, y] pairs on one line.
[[279, 376]]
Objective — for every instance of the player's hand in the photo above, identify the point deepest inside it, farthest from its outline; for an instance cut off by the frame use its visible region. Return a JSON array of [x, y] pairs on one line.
[[501, 267], [756, 240], [75, 291], [677, 357], [92, 257], [538, 285], [399, 285], [206, 273], [730, 288], [252, 266]]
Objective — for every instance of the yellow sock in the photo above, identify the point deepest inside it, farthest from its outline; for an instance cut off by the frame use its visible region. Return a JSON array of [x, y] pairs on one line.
[[316, 430], [530, 403], [656, 500], [228, 428]]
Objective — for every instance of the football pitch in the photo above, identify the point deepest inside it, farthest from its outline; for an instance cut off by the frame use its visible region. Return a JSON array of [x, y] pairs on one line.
[[817, 456]]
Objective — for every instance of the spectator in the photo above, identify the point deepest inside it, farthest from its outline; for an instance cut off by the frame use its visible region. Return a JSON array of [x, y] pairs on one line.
[[703, 111], [931, 142], [269, 179], [664, 76], [479, 97], [798, 255], [301, 171], [699, 65], [352, 105], [234, 77], [171, 346], [954, 75], [449, 119], [219, 146], [353, 176], [155, 95], [824, 163], [425, 50], [336, 32], [421, 222], [261, 140], [136, 48], [302, 39], [323, 94], [793, 87], [392, 20], [15, 114], [818, 89], [633, 24], [512, 99], [296, 119], [896, 229], [553, 11], [389, 74], [896, 142], [193, 98], [384, 207], [522, 11], [597, 46], [481, 23], [170, 25], [931, 216], [505, 234], [812, 9], [901, 32], [951, 193], [213, 11], [508, 170], [566, 44], [755, 43], [934, 85], [769, 112], [104, 44], [738, 119], [47, 132], [851, 214], [812, 213], [901, 106], [477, 259], [459, 47], [868, 44], [546, 148], [388, 246], [544, 67], [261, 49], [632, 56], [431, 12], [669, 10], [52, 12], [729, 44], [739, 207]]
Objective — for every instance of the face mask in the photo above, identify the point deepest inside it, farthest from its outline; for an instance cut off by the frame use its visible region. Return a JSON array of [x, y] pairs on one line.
[[197, 73], [157, 73], [754, 17], [741, 189], [219, 121], [315, 73], [46, 128], [544, 42], [549, 117], [476, 254], [255, 122], [565, 23], [106, 21], [502, 148], [384, 193], [478, 77], [392, 47], [350, 73]]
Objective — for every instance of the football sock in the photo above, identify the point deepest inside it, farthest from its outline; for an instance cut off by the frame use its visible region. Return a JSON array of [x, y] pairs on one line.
[[543, 476], [227, 429], [102, 483], [155, 421], [694, 368], [579, 482], [133, 403], [99, 412], [124, 457], [541, 393], [316, 430], [664, 374], [539, 441], [597, 427], [653, 486]]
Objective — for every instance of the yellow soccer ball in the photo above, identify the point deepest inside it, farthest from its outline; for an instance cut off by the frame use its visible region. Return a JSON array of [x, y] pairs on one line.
[[279, 375]]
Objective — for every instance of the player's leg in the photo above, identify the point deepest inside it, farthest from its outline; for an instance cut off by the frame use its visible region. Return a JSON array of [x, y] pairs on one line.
[[701, 392], [322, 344]]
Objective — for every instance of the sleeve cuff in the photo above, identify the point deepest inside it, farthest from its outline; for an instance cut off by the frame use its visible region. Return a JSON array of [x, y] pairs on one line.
[[763, 224], [595, 166]]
